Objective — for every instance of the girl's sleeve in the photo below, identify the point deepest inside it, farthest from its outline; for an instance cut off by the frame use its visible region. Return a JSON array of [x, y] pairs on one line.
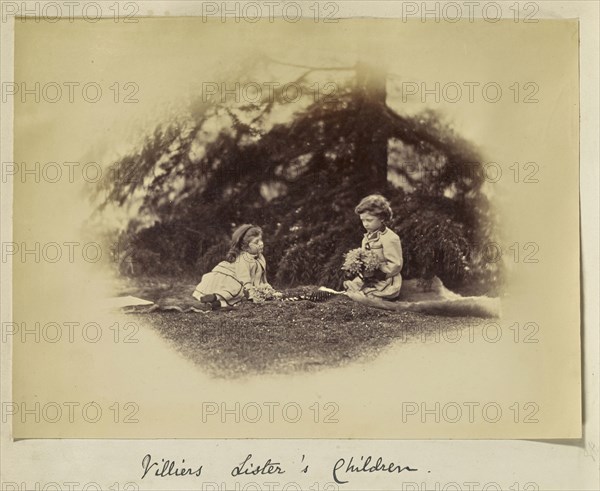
[[243, 273], [263, 264], [392, 253]]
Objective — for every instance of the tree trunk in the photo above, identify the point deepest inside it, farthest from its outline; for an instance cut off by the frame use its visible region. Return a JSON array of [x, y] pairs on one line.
[[372, 138]]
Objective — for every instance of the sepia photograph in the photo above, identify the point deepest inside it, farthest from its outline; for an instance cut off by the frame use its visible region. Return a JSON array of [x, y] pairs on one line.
[[295, 228], [299, 245], [274, 210]]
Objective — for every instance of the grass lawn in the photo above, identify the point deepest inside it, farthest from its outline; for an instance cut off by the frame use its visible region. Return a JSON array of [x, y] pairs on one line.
[[281, 337]]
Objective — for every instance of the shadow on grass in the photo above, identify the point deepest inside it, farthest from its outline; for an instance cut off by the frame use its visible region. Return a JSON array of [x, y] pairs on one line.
[[281, 337], [284, 337]]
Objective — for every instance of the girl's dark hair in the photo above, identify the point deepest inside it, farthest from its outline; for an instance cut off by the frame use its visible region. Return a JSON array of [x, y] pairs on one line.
[[240, 239], [376, 205]]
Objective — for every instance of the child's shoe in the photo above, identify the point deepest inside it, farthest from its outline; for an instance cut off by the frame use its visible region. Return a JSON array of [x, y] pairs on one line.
[[212, 300]]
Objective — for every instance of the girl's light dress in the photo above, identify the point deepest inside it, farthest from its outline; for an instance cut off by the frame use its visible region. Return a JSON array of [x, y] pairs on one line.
[[387, 245], [228, 280]]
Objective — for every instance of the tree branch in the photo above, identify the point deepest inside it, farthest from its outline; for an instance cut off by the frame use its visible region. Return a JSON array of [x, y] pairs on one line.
[[311, 67]]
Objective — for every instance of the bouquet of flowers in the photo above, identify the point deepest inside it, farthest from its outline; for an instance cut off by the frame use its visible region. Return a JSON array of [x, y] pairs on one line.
[[360, 262], [262, 293]]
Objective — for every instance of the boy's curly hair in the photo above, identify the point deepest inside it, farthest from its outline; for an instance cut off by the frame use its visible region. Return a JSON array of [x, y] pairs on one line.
[[376, 205]]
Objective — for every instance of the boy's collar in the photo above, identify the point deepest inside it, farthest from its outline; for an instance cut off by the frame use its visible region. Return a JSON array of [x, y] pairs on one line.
[[377, 233]]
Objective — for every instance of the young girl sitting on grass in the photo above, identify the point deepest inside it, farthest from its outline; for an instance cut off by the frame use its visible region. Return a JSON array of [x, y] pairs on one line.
[[244, 268], [375, 214]]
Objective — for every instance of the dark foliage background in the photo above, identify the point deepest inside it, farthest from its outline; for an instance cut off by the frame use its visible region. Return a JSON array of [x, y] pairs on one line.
[[221, 163]]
